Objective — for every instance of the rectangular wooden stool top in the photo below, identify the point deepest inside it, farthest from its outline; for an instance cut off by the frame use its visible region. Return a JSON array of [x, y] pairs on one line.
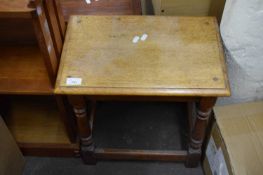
[[181, 56]]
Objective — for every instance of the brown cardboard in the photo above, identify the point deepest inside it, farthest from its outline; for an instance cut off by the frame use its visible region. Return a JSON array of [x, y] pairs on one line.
[[11, 159], [219, 143], [240, 128], [181, 7]]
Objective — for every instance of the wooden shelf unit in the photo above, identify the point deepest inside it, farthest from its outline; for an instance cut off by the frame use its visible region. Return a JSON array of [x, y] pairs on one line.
[[37, 118], [28, 63]]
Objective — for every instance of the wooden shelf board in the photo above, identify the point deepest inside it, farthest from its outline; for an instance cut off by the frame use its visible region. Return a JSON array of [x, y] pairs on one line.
[[35, 120], [15, 9], [50, 150], [22, 71]]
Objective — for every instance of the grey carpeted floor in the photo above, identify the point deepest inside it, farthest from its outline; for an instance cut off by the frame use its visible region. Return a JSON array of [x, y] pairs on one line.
[[135, 125], [74, 166]]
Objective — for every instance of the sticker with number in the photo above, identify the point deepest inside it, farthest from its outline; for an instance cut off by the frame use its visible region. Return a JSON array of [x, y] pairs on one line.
[[73, 81]]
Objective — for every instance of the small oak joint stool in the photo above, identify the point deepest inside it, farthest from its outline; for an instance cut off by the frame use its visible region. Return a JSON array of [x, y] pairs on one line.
[[181, 59]]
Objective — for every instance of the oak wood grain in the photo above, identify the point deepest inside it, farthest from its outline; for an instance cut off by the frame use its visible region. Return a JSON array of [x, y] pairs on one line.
[[129, 154], [182, 56]]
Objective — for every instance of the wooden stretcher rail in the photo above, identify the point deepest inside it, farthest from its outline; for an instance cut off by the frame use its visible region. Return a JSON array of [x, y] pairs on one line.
[[127, 154]]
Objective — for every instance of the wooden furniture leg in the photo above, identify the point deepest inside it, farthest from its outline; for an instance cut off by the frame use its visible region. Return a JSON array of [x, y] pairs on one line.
[[203, 113], [87, 147]]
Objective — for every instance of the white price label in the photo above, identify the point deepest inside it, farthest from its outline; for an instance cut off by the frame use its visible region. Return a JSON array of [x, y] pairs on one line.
[[88, 1], [74, 81], [135, 39], [144, 37]]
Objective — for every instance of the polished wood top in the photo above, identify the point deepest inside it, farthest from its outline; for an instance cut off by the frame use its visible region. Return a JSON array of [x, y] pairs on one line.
[[182, 56]]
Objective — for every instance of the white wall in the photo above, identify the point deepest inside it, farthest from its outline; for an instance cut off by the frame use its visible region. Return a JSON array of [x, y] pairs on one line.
[[242, 33]]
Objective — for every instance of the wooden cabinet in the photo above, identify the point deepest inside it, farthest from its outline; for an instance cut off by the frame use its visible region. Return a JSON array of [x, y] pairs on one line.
[[101, 7], [181, 7], [189, 7], [30, 44]]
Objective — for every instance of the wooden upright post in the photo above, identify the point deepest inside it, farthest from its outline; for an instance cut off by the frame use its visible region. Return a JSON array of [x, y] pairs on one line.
[[198, 133], [87, 147]]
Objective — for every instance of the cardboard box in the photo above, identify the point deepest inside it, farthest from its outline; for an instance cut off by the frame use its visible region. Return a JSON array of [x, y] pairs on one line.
[[235, 146], [181, 7], [11, 159]]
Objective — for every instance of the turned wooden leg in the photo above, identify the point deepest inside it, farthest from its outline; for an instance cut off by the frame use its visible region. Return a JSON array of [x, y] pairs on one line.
[[203, 113], [84, 129]]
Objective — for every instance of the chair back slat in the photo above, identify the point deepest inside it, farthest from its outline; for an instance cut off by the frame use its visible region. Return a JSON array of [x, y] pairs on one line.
[[60, 17], [45, 40], [53, 25]]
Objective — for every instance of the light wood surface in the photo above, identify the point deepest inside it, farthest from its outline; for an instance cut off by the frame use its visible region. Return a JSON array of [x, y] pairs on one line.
[[182, 56], [15, 8], [22, 71], [36, 120]]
